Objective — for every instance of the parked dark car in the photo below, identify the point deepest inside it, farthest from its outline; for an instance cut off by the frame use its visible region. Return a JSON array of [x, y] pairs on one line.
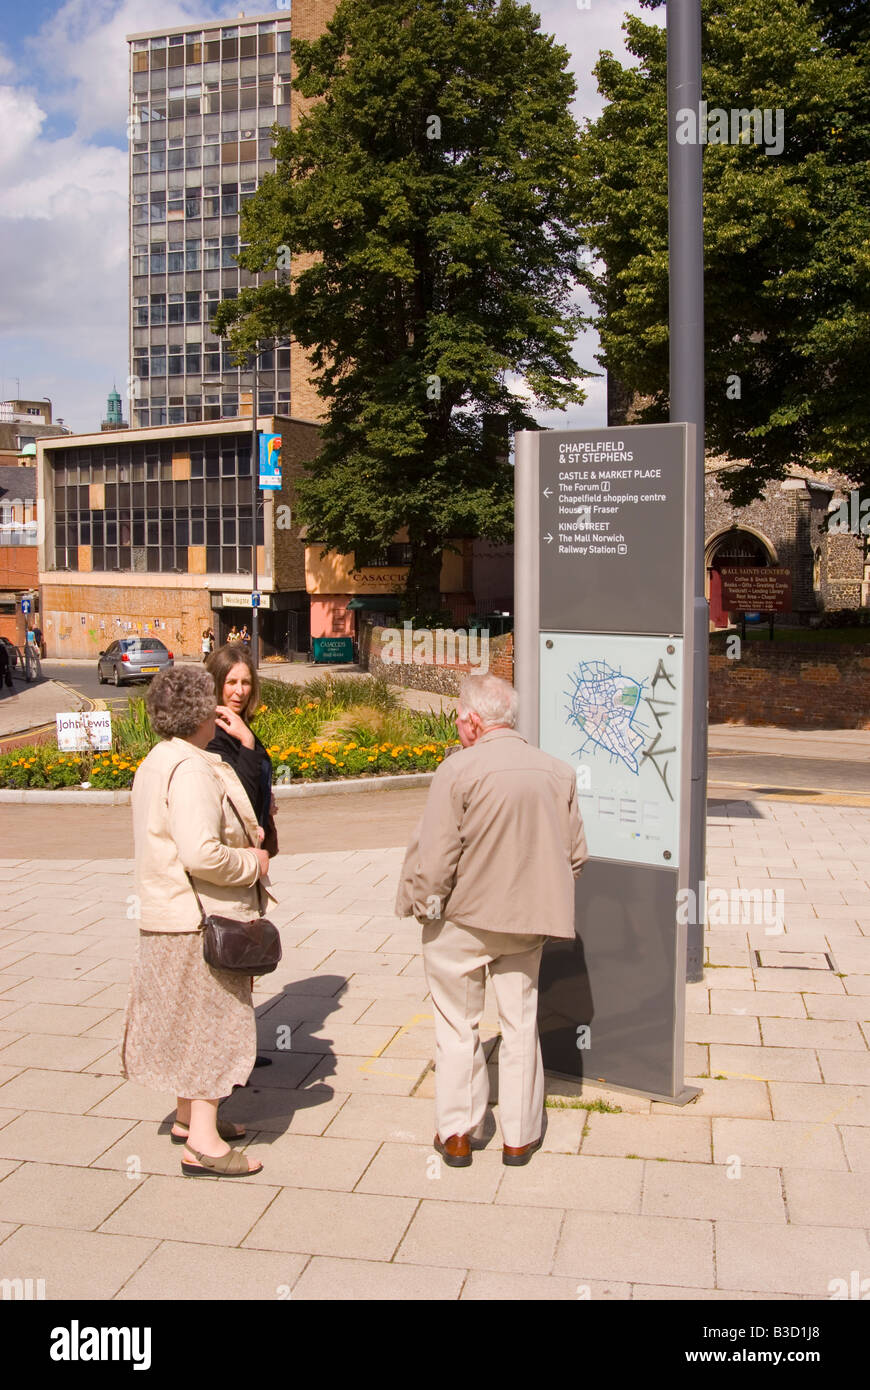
[[133, 658], [11, 652]]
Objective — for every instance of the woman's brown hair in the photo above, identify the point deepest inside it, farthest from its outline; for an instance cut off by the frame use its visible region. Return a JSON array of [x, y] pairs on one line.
[[219, 664]]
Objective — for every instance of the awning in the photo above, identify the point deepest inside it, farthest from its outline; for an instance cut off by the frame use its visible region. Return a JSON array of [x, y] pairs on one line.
[[376, 603]]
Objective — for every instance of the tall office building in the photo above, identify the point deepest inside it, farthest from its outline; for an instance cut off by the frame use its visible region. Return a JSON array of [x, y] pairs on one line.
[[203, 100]]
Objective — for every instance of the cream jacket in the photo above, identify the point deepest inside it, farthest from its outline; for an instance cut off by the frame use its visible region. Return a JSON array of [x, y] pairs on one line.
[[500, 842], [183, 819]]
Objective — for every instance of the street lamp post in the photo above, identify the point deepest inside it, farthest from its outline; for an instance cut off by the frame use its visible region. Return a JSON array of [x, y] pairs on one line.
[[255, 500], [686, 329]]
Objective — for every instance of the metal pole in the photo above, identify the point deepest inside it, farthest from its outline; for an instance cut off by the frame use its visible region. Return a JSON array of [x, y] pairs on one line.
[[686, 327], [255, 499]]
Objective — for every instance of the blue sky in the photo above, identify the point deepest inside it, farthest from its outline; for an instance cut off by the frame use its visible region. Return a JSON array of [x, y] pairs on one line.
[[63, 175]]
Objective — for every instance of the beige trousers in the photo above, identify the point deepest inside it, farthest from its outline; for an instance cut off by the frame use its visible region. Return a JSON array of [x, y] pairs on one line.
[[455, 959]]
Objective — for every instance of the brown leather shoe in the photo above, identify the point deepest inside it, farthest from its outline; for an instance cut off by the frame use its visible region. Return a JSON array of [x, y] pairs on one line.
[[456, 1151], [518, 1157]]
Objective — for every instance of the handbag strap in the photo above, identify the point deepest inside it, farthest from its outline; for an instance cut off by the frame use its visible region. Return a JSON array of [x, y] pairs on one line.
[[202, 912]]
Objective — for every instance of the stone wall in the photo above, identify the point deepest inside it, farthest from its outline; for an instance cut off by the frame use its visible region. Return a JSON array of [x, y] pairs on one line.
[[440, 678], [795, 687]]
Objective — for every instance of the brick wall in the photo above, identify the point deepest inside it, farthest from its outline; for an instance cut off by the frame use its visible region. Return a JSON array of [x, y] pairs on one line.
[[794, 687], [182, 614], [310, 18], [441, 679], [300, 443]]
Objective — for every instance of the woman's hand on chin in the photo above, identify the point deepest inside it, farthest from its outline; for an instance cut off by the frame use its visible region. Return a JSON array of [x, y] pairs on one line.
[[234, 724]]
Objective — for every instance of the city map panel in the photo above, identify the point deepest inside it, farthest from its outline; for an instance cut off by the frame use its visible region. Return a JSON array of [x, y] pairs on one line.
[[612, 707]]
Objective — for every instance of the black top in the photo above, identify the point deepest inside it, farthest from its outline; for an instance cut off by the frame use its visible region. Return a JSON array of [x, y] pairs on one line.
[[252, 766]]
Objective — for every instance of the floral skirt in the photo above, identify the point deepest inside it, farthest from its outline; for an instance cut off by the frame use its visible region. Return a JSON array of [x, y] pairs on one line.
[[189, 1030]]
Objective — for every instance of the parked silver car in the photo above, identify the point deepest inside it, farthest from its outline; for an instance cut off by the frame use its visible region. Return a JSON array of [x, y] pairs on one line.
[[133, 658]]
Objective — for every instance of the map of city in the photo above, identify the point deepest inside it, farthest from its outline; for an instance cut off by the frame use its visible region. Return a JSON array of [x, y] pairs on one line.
[[603, 704]]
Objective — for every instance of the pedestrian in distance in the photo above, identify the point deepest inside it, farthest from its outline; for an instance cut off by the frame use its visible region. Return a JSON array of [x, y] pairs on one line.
[[490, 876], [189, 1028], [237, 690], [244, 635], [207, 643], [5, 668], [233, 634]]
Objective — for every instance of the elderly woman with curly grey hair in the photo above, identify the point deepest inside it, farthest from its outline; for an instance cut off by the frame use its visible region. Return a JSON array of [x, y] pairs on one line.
[[190, 1029]]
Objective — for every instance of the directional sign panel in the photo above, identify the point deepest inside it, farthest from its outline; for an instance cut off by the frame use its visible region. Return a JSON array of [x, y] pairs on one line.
[[612, 513]]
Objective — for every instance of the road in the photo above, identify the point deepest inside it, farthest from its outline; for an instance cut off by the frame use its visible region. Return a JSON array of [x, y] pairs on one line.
[[83, 678]]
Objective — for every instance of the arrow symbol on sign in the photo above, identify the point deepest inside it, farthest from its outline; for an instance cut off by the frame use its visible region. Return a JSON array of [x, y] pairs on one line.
[[548, 538], [548, 492]]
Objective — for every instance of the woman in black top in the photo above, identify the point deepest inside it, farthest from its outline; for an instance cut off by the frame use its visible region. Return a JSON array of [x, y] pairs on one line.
[[238, 694]]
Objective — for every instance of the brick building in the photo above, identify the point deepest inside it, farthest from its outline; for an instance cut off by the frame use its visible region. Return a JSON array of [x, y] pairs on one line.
[[151, 530], [18, 550], [785, 527]]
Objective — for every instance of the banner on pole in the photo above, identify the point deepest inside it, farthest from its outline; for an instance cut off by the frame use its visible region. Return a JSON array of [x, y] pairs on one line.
[[270, 461]]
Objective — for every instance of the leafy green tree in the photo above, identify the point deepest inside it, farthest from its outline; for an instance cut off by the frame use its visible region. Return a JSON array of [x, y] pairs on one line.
[[787, 298], [435, 184]]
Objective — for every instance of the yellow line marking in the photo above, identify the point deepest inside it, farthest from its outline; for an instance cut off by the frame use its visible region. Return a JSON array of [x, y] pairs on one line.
[[405, 1028]]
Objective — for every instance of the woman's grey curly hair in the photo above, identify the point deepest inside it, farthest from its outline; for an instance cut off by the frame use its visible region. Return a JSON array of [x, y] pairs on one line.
[[179, 699]]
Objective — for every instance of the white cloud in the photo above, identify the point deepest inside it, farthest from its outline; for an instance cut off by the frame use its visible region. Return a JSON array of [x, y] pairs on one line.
[[63, 214], [84, 49]]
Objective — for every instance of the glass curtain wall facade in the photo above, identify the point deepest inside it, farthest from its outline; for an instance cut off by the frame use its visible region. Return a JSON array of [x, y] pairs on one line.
[[202, 106], [142, 505]]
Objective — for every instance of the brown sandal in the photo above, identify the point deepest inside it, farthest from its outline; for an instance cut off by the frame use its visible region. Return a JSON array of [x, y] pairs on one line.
[[225, 1129], [229, 1165]]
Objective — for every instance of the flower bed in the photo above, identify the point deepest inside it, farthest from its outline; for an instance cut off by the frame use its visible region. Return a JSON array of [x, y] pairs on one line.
[[322, 739]]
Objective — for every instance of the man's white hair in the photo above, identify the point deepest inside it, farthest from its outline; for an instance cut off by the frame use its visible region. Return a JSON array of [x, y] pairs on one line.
[[491, 698]]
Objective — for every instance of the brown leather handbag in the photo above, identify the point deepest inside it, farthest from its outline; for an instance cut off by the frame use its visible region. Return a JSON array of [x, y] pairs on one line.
[[242, 948]]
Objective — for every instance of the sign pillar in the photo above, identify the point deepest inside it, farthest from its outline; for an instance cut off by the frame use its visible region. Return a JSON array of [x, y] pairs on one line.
[[686, 380], [605, 639]]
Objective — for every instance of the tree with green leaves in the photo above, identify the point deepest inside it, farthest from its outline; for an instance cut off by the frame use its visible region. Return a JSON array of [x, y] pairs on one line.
[[434, 182], [786, 235]]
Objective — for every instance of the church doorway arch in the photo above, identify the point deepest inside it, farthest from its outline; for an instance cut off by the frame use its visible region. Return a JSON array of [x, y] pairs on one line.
[[735, 547]]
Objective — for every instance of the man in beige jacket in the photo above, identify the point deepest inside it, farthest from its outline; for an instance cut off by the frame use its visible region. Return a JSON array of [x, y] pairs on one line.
[[490, 875]]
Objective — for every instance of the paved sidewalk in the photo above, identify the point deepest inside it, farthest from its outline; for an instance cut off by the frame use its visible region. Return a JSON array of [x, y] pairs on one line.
[[30, 706], [760, 1189]]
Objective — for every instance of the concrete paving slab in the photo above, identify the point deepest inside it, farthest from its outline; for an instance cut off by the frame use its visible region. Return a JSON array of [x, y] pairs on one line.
[[683, 1137], [484, 1286], [417, 1170], [42, 1194], [54, 1052], [820, 1105], [777, 1143], [787, 1259], [328, 1280], [66, 1092], [509, 1239], [46, 1137], [704, 1191], [765, 1063], [648, 1249], [842, 1200], [347, 1224], [180, 1270], [76, 1265], [312, 1161], [192, 1209]]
